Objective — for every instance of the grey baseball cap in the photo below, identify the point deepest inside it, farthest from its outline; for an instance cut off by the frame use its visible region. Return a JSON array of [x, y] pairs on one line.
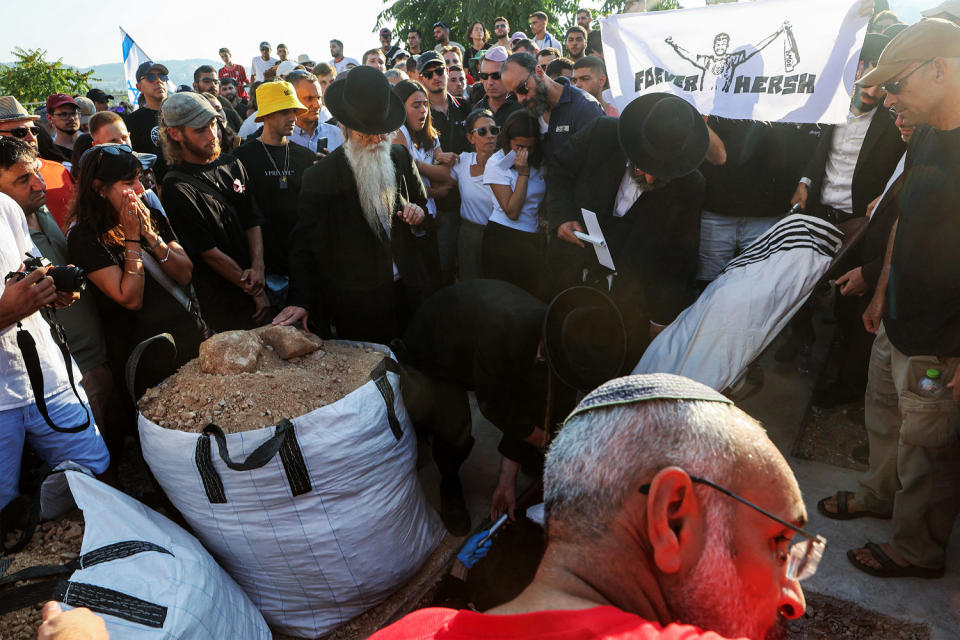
[[187, 109]]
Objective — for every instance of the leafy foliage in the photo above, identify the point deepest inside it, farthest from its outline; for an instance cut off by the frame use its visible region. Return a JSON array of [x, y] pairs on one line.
[[32, 78], [459, 14]]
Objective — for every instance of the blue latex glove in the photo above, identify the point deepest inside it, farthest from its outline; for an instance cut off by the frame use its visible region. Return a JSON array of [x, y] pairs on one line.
[[472, 552]]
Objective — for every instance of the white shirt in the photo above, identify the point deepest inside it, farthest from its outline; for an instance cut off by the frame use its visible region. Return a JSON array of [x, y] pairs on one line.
[[249, 126], [628, 193], [323, 130], [896, 174], [844, 150], [259, 66], [475, 197], [536, 188], [423, 155], [342, 65], [548, 41], [15, 390]]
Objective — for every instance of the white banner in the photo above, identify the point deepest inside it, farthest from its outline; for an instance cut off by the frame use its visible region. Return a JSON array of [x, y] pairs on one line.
[[773, 60]]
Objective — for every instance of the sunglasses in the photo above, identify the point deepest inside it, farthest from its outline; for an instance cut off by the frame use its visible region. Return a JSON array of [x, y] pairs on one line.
[[522, 88], [489, 76], [109, 149], [803, 557], [483, 131], [429, 73], [895, 87], [21, 132], [153, 77]]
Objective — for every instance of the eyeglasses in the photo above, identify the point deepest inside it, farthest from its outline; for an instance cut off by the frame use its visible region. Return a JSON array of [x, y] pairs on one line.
[[21, 132], [429, 73], [153, 77], [522, 88], [803, 557], [483, 131], [67, 115], [489, 76], [110, 149], [895, 87]]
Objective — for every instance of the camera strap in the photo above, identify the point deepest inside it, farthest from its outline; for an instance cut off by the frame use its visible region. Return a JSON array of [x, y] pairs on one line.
[[28, 347]]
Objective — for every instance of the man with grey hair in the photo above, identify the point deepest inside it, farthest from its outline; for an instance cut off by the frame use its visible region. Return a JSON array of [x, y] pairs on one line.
[[666, 507]]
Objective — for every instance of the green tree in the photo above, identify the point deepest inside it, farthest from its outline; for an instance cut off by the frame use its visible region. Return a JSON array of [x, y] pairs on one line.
[[458, 14], [32, 78]]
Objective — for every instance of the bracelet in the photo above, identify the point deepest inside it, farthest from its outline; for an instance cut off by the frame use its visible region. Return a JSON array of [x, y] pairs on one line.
[[136, 255], [135, 273], [137, 240], [166, 257], [156, 244], [525, 175]]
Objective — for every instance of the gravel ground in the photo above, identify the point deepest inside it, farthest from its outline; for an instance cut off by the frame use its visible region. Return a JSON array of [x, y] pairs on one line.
[[833, 619]]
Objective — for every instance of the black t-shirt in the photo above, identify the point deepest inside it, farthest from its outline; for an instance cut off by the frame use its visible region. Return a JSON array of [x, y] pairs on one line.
[[215, 217], [160, 312], [276, 199], [923, 311], [500, 115], [452, 125], [144, 128], [764, 163], [48, 150]]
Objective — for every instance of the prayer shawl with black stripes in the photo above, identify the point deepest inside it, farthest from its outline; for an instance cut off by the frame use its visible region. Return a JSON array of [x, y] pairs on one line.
[[750, 302]]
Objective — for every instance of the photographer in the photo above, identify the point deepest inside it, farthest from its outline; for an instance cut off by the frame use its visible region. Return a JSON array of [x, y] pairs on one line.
[[22, 418]]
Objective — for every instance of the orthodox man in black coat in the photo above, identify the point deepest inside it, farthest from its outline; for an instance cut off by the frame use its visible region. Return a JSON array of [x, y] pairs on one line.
[[639, 175], [362, 254]]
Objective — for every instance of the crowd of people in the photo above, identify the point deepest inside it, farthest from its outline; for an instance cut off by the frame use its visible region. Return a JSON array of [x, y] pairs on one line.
[[430, 200]]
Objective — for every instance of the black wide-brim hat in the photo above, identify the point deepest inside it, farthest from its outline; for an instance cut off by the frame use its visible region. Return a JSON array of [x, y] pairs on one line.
[[663, 135], [362, 99], [584, 338]]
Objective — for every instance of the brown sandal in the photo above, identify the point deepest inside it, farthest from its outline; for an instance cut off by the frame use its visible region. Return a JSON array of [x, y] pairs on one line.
[[843, 509]]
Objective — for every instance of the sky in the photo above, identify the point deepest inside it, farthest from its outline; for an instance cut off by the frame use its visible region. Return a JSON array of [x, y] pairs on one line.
[[87, 34]]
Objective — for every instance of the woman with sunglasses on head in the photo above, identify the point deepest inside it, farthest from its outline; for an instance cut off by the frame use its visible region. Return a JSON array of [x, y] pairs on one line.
[[476, 198], [514, 248], [423, 141], [113, 233]]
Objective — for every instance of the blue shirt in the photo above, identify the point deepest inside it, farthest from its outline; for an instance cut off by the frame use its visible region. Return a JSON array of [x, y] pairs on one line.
[[575, 109]]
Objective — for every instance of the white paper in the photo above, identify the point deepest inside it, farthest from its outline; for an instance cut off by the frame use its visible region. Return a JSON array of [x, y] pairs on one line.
[[593, 228], [507, 163]]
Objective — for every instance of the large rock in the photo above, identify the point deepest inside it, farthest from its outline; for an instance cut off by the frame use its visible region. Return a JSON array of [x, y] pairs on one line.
[[289, 342], [230, 352]]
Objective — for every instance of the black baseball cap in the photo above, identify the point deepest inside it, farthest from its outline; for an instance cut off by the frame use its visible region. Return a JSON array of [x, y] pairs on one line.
[[97, 95], [428, 58], [149, 66]]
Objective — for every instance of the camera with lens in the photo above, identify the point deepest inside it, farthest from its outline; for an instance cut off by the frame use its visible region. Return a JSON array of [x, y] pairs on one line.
[[67, 278]]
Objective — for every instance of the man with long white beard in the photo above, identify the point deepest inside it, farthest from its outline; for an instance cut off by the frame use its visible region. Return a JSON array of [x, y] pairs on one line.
[[669, 514], [362, 255]]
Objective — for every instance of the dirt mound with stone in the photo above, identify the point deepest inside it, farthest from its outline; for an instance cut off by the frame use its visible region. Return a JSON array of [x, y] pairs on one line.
[[53, 543], [244, 380]]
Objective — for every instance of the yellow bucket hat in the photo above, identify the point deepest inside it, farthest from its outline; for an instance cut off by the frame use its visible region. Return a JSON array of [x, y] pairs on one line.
[[276, 96]]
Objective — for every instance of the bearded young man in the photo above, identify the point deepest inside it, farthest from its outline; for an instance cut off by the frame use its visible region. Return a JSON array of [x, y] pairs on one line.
[[686, 523], [562, 108], [214, 215], [361, 255]]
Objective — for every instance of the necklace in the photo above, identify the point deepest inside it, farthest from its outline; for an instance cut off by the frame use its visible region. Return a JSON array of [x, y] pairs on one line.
[[286, 162]]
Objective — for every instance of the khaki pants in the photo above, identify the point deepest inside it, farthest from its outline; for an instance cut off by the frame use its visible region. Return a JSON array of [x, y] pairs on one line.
[[914, 452]]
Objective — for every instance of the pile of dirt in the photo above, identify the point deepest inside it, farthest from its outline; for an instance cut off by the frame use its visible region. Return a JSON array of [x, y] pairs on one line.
[[835, 619], [53, 543], [275, 389]]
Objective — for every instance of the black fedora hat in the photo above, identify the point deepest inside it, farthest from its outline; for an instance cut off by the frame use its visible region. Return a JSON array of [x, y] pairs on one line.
[[584, 338], [663, 135], [363, 100]]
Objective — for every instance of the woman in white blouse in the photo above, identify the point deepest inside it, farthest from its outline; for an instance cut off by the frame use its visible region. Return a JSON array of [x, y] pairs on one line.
[[422, 140], [476, 198], [514, 247]]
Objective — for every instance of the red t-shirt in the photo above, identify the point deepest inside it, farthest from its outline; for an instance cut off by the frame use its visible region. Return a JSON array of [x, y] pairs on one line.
[[239, 74], [599, 623], [59, 190]]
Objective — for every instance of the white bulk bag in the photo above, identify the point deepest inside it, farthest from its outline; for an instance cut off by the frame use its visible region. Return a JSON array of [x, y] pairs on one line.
[[714, 340], [318, 518], [145, 575]]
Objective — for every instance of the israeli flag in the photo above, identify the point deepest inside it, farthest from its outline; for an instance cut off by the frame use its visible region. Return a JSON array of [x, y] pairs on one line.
[[133, 57]]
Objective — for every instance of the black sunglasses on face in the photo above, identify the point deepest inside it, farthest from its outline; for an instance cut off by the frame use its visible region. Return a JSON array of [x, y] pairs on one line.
[[21, 132], [802, 558], [895, 87], [153, 77], [429, 73], [483, 131], [489, 76], [522, 88]]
